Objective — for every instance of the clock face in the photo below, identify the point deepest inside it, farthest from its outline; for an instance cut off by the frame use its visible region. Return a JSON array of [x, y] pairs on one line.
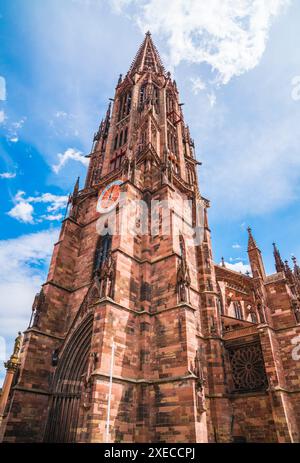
[[109, 197]]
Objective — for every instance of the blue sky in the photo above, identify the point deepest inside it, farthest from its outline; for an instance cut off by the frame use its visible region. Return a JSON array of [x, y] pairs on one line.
[[237, 67]]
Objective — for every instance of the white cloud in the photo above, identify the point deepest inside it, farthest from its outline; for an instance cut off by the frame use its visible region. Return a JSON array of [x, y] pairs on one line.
[[8, 175], [118, 5], [228, 35], [2, 116], [23, 265], [212, 99], [61, 114], [236, 246], [238, 267], [23, 212], [69, 155], [56, 202], [19, 196], [197, 85], [52, 217], [2, 89], [13, 130], [19, 124]]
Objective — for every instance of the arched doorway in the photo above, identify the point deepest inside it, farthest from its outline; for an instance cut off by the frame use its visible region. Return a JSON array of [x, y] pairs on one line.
[[67, 385]]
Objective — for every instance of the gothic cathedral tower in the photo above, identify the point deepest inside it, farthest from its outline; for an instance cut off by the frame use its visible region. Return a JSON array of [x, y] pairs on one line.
[[125, 342]]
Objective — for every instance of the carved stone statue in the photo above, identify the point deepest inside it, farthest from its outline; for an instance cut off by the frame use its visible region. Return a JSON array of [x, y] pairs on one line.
[[96, 178], [132, 171], [296, 310], [183, 281], [169, 171], [209, 285], [183, 275], [260, 310], [86, 395], [198, 371], [200, 398], [17, 346], [106, 278], [212, 327], [126, 167], [87, 380], [163, 170], [54, 359], [37, 308], [93, 358]]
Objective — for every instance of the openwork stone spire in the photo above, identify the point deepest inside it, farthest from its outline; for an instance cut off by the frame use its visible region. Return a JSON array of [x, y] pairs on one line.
[[147, 58], [296, 267], [251, 240], [279, 265], [255, 258]]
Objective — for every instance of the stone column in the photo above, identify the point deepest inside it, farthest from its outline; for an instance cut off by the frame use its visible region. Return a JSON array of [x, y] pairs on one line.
[[11, 366]]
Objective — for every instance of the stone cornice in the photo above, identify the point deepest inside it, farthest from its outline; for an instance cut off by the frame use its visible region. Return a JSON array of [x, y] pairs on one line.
[[144, 312], [43, 333], [31, 390], [170, 379]]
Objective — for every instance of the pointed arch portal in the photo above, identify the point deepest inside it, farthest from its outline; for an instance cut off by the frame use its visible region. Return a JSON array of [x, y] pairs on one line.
[[67, 385]]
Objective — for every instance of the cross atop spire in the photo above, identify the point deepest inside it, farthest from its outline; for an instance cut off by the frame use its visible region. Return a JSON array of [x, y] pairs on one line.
[[147, 58]]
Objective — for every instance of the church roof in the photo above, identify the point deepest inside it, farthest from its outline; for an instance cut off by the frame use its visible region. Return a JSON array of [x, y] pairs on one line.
[[147, 58]]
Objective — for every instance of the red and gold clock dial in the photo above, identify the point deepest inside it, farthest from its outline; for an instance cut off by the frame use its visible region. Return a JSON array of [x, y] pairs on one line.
[[109, 197]]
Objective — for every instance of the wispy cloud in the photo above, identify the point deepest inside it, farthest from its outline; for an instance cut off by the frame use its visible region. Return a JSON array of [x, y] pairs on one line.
[[52, 217], [236, 259], [23, 211], [2, 116], [56, 202], [2, 89], [236, 246], [197, 85], [8, 175], [14, 129], [227, 35], [238, 267], [23, 266], [61, 114], [69, 155], [212, 99]]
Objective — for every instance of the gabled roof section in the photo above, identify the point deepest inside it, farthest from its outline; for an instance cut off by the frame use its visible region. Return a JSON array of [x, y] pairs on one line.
[[147, 58]]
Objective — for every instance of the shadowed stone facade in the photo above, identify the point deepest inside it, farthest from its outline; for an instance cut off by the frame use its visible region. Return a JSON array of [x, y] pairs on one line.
[[202, 353]]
